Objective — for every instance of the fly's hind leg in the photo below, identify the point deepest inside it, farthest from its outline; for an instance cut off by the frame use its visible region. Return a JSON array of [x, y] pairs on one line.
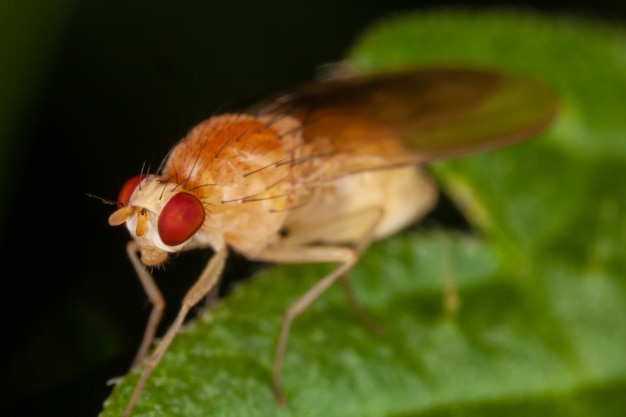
[[299, 247], [357, 228], [451, 296], [346, 257]]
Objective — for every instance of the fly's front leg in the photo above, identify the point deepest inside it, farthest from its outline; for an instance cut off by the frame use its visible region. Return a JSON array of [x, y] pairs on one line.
[[155, 297], [208, 279]]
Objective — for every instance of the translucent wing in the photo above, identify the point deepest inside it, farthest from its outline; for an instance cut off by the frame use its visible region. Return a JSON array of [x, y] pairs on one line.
[[419, 115]]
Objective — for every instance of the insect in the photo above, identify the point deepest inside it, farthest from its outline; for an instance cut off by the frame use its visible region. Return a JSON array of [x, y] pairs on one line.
[[314, 175]]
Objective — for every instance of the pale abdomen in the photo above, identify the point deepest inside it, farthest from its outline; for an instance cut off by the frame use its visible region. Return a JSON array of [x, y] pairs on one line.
[[392, 199]]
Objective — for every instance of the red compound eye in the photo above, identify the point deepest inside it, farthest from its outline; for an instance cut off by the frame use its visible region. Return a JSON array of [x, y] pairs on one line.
[[181, 217], [123, 198]]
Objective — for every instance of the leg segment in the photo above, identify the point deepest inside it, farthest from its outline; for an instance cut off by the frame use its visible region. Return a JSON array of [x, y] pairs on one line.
[[361, 226], [345, 256], [155, 297], [208, 279]]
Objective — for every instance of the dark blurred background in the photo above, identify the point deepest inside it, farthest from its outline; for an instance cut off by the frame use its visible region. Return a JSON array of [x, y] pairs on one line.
[[89, 91]]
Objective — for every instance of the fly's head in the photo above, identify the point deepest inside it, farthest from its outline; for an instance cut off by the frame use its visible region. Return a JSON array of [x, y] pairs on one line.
[[161, 216]]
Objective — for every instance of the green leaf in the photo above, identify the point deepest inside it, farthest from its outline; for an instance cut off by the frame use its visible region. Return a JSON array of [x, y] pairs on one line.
[[542, 324]]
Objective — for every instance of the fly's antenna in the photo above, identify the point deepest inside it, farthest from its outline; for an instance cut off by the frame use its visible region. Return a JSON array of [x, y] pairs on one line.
[[102, 199]]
